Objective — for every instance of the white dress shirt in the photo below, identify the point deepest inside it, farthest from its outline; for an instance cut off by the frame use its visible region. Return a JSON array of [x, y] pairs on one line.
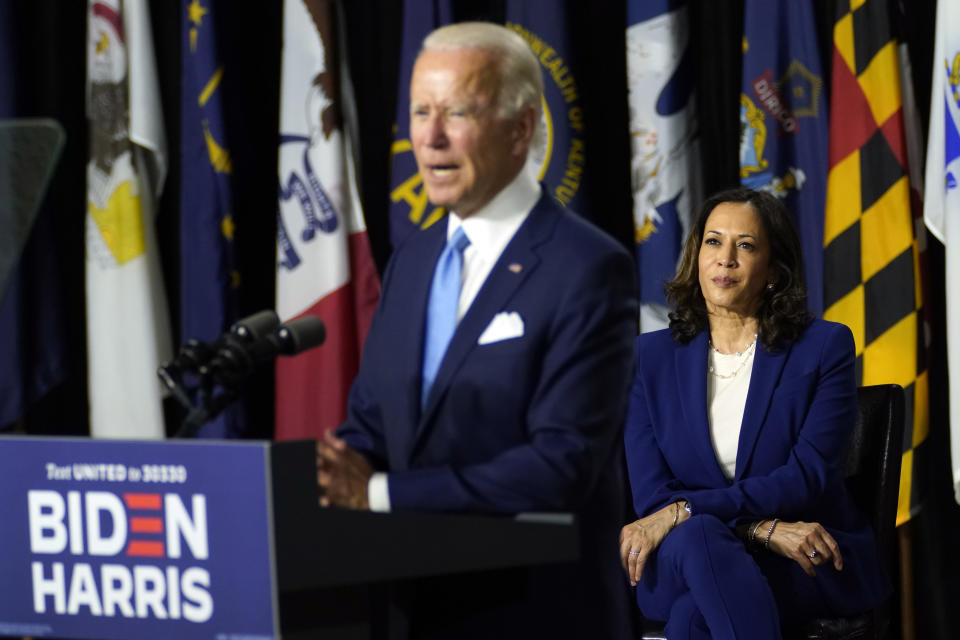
[[489, 229]]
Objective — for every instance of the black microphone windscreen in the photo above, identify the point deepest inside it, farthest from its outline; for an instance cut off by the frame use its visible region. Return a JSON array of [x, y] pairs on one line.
[[256, 325], [301, 334]]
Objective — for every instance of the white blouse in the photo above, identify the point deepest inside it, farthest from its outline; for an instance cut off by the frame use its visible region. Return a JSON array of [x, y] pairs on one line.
[[728, 380]]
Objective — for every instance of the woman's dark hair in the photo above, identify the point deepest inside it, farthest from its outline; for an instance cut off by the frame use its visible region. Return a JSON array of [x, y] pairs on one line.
[[782, 316]]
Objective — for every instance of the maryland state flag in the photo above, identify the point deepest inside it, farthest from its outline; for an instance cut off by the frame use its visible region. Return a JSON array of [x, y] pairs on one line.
[[324, 263], [409, 207], [208, 281], [559, 160], [872, 281], [783, 122], [128, 331]]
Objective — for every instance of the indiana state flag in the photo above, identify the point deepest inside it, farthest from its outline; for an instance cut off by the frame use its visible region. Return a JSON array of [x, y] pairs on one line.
[[208, 281], [409, 208], [559, 160], [665, 164], [783, 122]]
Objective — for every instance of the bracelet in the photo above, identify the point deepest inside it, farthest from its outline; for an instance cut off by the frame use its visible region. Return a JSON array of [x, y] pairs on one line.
[[752, 533], [676, 514], [766, 541]]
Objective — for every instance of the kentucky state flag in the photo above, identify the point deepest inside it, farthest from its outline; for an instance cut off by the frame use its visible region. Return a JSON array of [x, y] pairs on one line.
[[409, 207], [783, 122], [665, 159], [559, 161]]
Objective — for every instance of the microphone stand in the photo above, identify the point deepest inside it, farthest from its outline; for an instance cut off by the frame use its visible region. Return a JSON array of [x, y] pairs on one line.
[[206, 405]]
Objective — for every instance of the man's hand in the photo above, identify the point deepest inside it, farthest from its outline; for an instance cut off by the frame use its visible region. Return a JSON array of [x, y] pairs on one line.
[[342, 474], [806, 543]]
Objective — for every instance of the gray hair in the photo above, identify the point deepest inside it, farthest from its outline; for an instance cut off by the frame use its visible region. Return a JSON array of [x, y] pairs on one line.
[[521, 84]]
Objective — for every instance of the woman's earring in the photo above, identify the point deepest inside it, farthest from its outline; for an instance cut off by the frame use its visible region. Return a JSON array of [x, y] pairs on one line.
[[769, 286]]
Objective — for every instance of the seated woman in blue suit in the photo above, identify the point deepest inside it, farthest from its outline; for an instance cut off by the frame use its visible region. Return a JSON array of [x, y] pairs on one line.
[[739, 417]]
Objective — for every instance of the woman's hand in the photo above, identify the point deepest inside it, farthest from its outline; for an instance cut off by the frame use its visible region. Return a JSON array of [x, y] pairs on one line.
[[807, 543], [639, 539]]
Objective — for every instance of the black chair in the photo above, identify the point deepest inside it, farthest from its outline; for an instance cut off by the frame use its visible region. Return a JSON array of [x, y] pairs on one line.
[[873, 478]]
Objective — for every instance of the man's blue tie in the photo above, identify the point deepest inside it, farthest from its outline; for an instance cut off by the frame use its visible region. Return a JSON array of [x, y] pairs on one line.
[[442, 308]]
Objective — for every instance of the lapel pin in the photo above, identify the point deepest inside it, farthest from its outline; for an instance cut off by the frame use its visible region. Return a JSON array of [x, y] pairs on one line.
[[516, 267]]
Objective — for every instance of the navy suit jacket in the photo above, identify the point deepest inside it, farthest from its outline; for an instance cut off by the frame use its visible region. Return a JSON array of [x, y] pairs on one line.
[[531, 423], [799, 414]]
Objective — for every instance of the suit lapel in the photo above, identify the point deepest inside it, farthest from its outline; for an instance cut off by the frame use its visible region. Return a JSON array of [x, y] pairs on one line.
[[410, 320], [691, 363], [497, 290], [767, 366]]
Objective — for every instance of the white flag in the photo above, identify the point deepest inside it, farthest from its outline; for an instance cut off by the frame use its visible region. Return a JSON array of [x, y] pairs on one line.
[[942, 195], [664, 165], [128, 332]]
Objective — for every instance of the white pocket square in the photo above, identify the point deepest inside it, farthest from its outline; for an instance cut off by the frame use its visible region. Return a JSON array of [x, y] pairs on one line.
[[504, 326]]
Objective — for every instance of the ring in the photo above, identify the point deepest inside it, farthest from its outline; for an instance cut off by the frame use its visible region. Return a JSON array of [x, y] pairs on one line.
[[813, 554], [634, 553]]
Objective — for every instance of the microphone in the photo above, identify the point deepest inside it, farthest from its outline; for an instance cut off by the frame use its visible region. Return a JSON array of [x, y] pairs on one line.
[[195, 355], [301, 334], [236, 360], [206, 376], [256, 325]]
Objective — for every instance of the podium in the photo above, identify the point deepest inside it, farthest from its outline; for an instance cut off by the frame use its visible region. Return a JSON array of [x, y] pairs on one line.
[[220, 539]]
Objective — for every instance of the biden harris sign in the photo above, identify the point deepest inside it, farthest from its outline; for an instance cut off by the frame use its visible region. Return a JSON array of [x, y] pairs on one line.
[[111, 539]]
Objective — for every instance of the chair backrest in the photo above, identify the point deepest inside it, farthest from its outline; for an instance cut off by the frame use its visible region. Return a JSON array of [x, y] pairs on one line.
[[873, 477], [873, 463]]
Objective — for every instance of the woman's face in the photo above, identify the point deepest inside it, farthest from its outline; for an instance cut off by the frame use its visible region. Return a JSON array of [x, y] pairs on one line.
[[734, 260]]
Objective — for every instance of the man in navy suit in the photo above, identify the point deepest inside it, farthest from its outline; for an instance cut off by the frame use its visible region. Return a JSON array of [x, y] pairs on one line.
[[522, 409]]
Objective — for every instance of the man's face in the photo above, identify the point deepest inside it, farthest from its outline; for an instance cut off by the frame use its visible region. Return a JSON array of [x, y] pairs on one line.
[[465, 152]]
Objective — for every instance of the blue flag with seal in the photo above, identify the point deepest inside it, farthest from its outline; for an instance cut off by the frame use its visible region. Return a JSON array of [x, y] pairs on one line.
[[783, 122], [409, 208], [665, 159], [208, 281], [559, 160]]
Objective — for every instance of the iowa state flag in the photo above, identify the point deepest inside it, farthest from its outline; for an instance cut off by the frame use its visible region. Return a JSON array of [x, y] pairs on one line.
[[324, 265], [409, 207], [208, 281], [783, 122]]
